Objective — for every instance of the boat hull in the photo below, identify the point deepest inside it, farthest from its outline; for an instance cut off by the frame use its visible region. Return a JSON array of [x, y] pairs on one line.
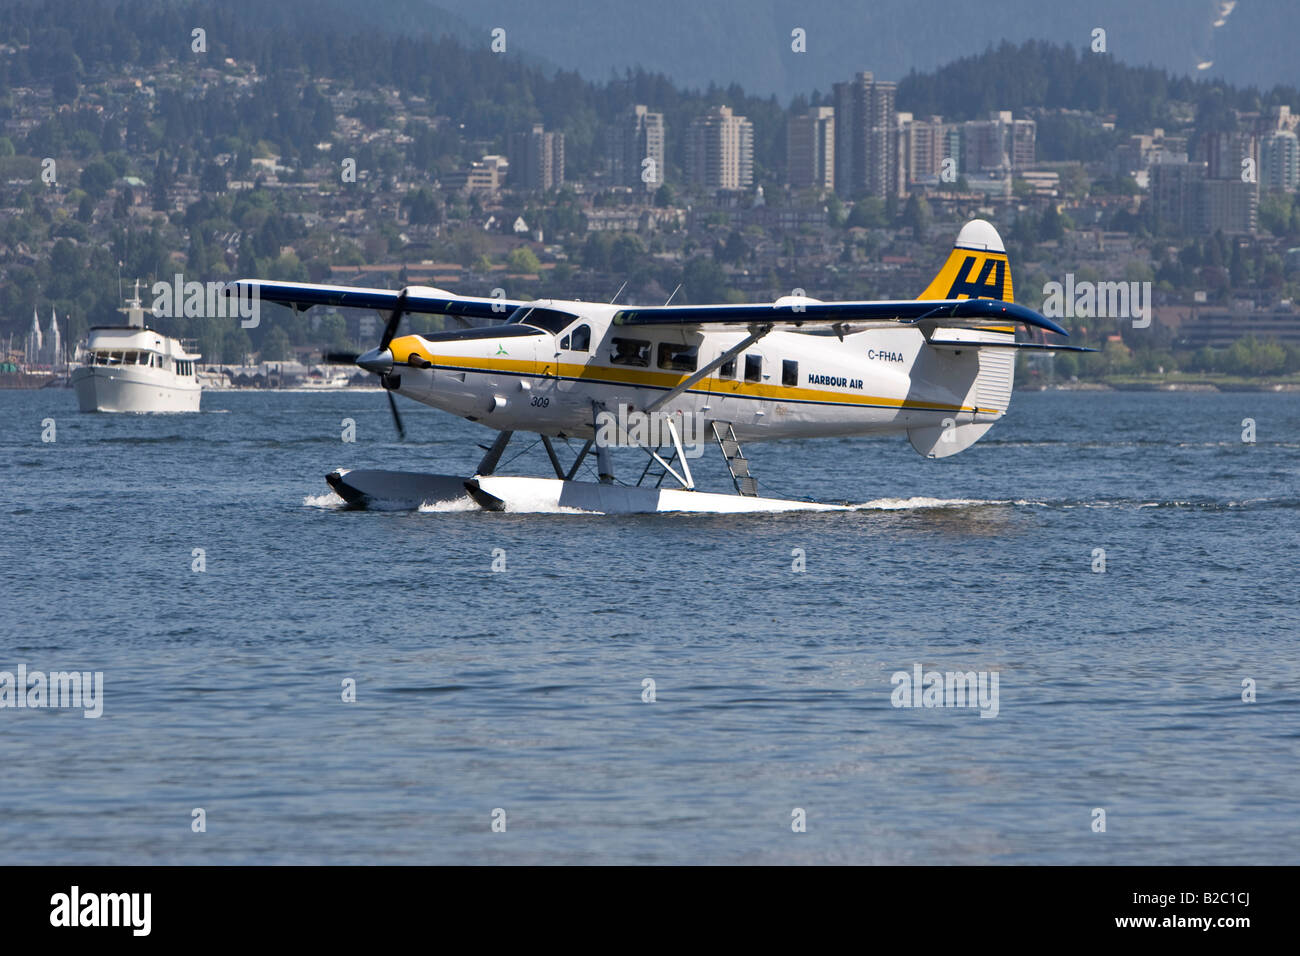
[[103, 388]]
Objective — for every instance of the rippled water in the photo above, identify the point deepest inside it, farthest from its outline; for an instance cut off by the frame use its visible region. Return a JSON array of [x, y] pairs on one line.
[[522, 690]]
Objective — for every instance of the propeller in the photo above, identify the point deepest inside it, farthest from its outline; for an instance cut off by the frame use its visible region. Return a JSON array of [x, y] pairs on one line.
[[385, 340], [380, 361], [397, 418], [393, 321]]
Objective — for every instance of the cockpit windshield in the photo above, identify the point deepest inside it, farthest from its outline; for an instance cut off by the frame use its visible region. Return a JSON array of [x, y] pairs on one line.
[[552, 320]]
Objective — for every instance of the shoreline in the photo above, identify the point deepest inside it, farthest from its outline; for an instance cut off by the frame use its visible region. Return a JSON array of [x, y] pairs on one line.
[[1162, 387]]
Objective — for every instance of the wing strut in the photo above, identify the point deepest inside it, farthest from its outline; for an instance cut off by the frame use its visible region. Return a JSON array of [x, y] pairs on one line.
[[756, 332], [493, 456]]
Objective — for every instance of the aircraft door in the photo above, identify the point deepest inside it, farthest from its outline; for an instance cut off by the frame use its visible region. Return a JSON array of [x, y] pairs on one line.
[[737, 388], [572, 351]]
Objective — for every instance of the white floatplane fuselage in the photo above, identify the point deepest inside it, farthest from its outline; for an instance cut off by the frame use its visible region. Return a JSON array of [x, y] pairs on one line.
[[555, 361], [937, 368]]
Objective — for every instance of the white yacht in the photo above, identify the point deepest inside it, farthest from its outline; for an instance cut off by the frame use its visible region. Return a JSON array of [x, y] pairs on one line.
[[132, 368]]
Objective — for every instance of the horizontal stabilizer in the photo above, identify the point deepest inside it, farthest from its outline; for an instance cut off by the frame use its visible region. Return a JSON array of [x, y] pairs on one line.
[[960, 339]]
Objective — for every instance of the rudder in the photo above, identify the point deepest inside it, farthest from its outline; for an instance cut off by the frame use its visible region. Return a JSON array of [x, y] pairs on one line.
[[977, 267]]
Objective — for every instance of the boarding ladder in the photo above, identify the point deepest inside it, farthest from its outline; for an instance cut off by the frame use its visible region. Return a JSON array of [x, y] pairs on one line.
[[657, 468], [746, 484]]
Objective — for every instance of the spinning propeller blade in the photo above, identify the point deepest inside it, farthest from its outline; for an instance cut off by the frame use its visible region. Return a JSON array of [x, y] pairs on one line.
[[379, 360], [385, 340], [397, 418], [393, 321]]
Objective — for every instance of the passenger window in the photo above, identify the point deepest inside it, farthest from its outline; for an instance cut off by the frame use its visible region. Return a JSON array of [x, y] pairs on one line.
[[727, 369], [629, 352], [753, 368], [679, 358], [582, 338], [789, 373]]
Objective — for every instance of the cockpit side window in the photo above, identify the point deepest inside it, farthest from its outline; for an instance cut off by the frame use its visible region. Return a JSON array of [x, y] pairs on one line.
[[552, 320], [582, 338]]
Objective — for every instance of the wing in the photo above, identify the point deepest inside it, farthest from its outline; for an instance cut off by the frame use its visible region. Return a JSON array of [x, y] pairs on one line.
[[421, 299], [844, 317]]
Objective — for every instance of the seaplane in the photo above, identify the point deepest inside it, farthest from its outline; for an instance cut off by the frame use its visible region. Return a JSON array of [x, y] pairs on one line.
[[670, 379]]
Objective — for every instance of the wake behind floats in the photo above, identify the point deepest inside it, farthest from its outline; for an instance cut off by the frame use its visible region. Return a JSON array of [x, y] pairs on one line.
[[937, 368]]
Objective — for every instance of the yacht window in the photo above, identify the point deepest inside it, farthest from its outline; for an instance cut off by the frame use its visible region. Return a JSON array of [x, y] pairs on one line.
[[582, 338], [629, 352], [753, 368], [727, 369], [679, 358], [789, 372]]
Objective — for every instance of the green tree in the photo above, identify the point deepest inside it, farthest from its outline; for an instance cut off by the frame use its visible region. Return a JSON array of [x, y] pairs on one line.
[[523, 259], [916, 215], [276, 345], [97, 178], [867, 213], [703, 281]]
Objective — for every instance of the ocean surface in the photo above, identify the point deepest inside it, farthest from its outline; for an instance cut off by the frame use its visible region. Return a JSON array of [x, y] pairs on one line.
[[521, 690]]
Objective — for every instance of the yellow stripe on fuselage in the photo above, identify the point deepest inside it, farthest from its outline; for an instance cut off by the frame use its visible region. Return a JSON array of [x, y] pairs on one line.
[[620, 375]]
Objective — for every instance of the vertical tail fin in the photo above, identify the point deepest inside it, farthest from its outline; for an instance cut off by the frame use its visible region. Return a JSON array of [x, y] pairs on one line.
[[977, 267]]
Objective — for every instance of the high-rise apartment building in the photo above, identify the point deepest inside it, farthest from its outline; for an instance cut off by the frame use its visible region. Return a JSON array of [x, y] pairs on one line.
[[537, 159], [636, 149], [1279, 160], [810, 149], [720, 150], [866, 132]]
